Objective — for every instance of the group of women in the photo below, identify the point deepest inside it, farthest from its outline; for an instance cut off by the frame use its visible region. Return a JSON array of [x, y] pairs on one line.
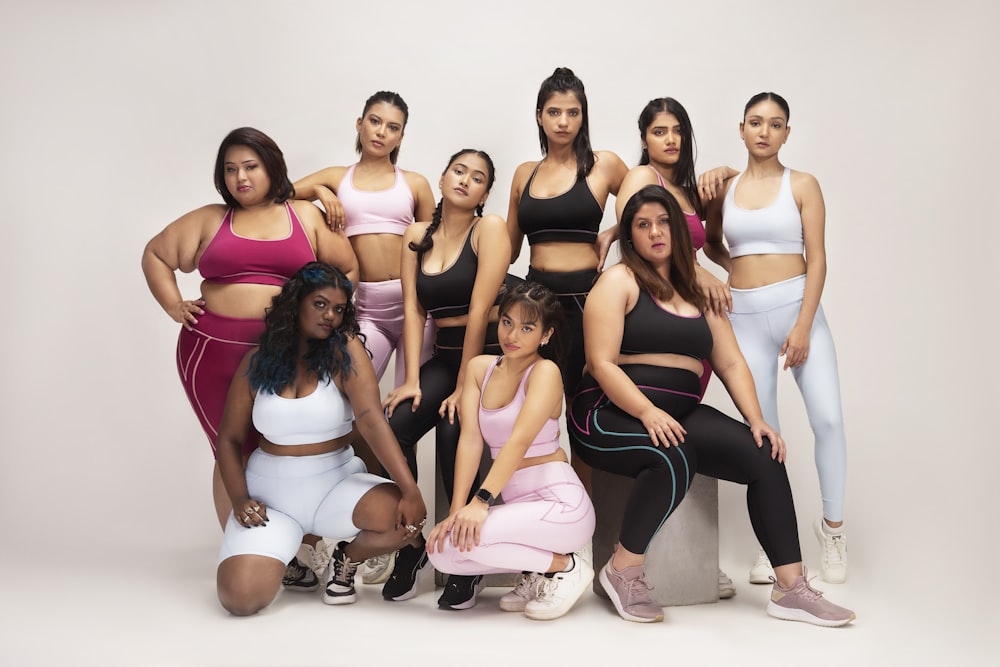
[[281, 358]]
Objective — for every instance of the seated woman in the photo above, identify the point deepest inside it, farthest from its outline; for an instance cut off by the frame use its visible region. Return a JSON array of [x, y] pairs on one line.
[[301, 389], [648, 327], [513, 402]]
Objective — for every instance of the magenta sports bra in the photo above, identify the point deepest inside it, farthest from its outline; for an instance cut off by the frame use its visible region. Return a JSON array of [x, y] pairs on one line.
[[497, 424], [772, 230], [694, 222], [375, 212], [231, 258]]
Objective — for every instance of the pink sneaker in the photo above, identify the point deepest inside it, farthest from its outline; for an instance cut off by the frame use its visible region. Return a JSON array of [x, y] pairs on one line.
[[804, 603], [630, 594]]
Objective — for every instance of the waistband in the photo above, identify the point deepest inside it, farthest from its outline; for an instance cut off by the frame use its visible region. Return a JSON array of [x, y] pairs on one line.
[[381, 291], [264, 463], [771, 296], [564, 283], [653, 381], [228, 329]]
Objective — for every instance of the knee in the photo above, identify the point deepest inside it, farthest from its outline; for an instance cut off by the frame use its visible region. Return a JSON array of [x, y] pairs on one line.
[[240, 602]]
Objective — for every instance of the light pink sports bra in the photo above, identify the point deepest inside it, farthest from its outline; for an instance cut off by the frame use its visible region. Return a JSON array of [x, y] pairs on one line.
[[376, 212], [497, 424]]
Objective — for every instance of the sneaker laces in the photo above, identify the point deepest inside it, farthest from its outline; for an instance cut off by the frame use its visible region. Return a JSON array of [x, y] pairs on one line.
[[320, 557], [344, 569], [833, 549], [545, 587], [803, 589], [294, 571], [526, 586], [638, 590]]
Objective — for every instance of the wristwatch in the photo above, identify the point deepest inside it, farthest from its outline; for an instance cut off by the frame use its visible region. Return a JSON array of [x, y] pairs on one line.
[[486, 497]]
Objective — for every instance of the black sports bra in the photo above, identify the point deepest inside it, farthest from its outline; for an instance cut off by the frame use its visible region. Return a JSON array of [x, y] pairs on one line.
[[449, 293], [649, 329], [574, 216]]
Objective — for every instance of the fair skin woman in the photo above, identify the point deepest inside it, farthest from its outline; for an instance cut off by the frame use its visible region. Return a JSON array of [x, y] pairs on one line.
[[249, 582], [256, 216]]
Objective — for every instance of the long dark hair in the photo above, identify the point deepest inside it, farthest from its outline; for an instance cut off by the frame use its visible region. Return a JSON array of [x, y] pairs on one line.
[[682, 268], [272, 366], [393, 99], [270, 156], [563, 80], [684, 176], [427, 241], [539, 303]]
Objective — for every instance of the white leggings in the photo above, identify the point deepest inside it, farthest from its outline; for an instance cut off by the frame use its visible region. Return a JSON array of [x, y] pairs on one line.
[[762, 318], [302, 494], [380, 316], [545, 511]]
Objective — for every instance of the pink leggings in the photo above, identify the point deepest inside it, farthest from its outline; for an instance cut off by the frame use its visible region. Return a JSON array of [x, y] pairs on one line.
[[380, 316], [207, 358], [545, 511]]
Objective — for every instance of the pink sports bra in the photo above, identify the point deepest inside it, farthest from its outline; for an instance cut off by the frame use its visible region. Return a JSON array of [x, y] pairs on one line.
[[497, 424], [375, 212], [694, 222], [231, 258]]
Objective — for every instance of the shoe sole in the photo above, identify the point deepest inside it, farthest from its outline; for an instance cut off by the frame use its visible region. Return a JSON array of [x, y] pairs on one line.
[[786, 614], [549, 613], [416, 585], [382, 576], [726, 593], [345, 598], [515, 605], [610, 590], [468, 604], [301, 589]]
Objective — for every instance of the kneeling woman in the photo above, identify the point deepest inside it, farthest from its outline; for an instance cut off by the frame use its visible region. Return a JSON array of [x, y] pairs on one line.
[[301, 389], [647, 330], [513, 403]]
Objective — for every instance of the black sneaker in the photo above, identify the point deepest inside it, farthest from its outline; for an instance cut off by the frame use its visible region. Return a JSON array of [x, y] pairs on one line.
[[461, 590], [299, 577], [410, 563], [340, 579]]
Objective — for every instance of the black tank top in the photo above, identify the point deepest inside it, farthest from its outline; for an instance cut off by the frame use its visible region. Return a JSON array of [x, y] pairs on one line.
[[449, 293], [574, 216], [649, 329]]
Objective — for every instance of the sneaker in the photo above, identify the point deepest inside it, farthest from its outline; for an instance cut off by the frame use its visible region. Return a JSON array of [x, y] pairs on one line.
[[833, 566], [726, 587], [298, 577], [340, 580], [461, 590], [411, 563], [556, 593], [804, 603], [378, 568], [630, 593], [761, 572], [524, 592], [317, 558]]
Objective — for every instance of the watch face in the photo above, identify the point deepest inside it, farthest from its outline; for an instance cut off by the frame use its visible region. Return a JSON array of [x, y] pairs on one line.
[[485, 496]]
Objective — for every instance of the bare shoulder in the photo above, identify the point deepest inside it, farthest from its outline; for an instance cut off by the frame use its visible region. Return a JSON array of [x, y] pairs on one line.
[[545, 370], [803, 181], [415, 231], [491, 222], [609, 160], [415, 180], [523, 171], [308, 212]]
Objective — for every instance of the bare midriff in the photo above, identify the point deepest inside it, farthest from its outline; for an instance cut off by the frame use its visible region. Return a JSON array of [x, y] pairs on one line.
[[554, 457], [559, 256], [378, 256], [241, 300], [306, 450], [753, 271]]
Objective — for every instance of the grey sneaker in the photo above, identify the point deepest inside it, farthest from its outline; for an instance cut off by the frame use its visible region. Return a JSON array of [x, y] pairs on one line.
[[761, 572], [556, 594], [378, 568], [630, 594], [524, 592], [340, 580], [833, 566], [804, 603], [298, 577], [726, 587]]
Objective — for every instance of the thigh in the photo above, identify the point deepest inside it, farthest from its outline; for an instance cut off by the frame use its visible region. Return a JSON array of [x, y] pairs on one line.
[[726, 448], [335, 515], [818, 378], [437, 382], [759, 348], [279, 538]]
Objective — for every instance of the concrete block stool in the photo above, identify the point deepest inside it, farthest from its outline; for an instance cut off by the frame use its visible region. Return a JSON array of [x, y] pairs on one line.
[[682, 563]]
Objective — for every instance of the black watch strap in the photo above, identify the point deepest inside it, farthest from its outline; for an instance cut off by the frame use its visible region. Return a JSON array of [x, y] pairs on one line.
[[486, 496]]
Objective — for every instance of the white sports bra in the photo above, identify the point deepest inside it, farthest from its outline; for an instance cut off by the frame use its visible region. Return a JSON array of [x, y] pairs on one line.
[[772, 230], [323, 415]]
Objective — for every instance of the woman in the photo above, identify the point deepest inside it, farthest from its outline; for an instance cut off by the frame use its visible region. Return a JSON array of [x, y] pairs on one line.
[[447, 273], [244, 251], [301, 389], [771, 215], [648, 327], [373, 201], [513, 402], [558, 203]]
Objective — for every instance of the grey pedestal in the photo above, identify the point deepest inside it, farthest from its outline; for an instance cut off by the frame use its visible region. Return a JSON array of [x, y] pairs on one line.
[[682, 563]]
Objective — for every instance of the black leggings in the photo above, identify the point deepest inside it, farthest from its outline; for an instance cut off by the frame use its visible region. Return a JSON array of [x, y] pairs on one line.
[[609, 439], [437, 381]]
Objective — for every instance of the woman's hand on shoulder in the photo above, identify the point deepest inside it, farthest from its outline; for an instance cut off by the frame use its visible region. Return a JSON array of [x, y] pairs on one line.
[[713, 183], [720, 299], [760, 430]]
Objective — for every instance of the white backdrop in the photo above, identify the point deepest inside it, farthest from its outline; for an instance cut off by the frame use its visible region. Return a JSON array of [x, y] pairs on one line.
[[112, 111]]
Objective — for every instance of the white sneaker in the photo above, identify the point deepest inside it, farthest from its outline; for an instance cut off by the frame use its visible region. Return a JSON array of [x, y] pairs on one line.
[[378, 568], [726, 587], [833, 566], [317, 558], [762, 572], [557, 594], [524, 592]]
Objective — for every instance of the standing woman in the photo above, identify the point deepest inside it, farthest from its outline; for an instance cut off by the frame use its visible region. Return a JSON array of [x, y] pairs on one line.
[[638, 412], [453, 268], [512, 402], [558, 203], [771, 215], [244, 251]]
